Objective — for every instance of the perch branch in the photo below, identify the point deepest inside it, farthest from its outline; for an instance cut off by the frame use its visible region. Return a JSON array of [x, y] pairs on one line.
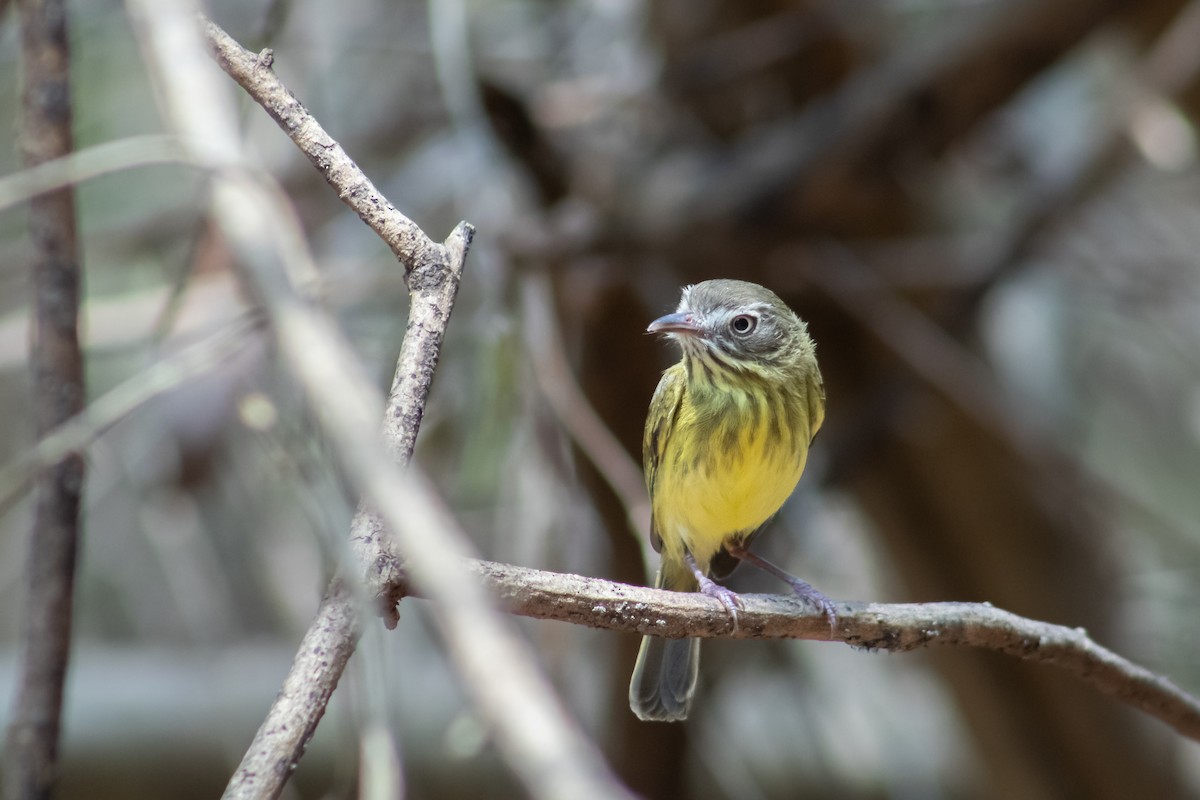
[[897, 627]]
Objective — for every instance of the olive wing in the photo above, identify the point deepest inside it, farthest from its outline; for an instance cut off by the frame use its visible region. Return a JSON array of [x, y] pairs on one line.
[[660, 425]]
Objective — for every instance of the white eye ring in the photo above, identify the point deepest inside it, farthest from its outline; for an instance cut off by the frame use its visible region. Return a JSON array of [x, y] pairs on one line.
[[743, 324]]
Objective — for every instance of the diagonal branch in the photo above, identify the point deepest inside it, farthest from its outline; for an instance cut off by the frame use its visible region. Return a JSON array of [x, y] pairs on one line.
[[543, 747], [432, 272], [416, 251]]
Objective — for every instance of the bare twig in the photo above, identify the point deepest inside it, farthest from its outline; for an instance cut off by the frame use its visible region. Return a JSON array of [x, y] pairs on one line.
[[897, 627], [253, 73], [31, 754], [543, 747], [432, 272]]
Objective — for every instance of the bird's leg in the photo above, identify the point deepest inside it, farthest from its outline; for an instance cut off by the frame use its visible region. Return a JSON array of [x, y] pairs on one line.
[[803, 589], [711, 588]]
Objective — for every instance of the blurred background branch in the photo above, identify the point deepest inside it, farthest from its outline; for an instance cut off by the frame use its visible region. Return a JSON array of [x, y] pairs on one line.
[[32, 744], [74, 435]]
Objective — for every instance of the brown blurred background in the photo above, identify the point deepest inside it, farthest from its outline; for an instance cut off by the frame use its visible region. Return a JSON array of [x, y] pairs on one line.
[[989, 213]]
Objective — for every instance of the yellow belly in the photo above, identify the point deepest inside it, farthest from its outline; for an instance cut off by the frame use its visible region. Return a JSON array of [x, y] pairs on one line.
[[728, 493]]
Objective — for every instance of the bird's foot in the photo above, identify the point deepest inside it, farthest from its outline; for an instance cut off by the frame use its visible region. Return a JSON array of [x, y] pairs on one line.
[[711, 588], [803, 589], [816, 598], [728, 597]]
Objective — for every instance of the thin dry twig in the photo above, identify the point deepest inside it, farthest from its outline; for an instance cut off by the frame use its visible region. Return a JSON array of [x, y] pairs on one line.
[[430, 272], [31, 754], [543, 747], [320, 660], [253, 73]]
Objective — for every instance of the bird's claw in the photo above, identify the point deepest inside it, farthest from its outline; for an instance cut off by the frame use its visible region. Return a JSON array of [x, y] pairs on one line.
[[815, 597], [728, 598]]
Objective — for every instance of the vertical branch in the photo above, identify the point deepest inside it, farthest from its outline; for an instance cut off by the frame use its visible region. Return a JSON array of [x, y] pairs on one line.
[[31, 752]]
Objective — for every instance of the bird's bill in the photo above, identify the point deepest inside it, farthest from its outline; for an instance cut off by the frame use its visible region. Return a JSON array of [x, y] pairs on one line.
[[682, 322]]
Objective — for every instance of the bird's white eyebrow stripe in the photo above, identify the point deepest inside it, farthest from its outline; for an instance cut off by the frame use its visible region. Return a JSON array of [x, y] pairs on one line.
[[756, 308]]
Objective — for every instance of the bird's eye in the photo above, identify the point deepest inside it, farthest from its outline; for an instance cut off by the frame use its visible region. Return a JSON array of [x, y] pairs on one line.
[[743, 324]]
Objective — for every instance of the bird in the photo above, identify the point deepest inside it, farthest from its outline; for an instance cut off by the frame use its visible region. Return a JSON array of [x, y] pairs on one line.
[[726, 440]]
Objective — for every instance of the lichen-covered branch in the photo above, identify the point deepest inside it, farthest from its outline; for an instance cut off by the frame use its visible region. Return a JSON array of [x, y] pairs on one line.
[[432, 272], [421, 256], [320, 660]]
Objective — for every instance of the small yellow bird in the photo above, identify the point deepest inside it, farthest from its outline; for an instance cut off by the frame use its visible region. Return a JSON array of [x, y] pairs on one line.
[[726, 440]]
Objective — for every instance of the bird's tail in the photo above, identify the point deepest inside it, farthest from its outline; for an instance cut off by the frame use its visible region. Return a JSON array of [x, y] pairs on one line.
[[664, 678]]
